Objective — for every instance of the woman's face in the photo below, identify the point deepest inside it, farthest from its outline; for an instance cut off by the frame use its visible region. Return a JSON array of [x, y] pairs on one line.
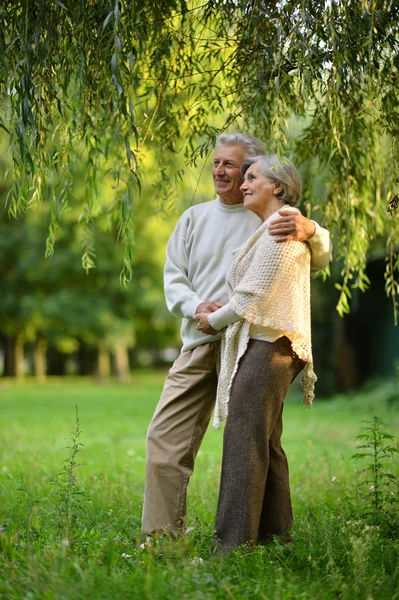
[[259, 191]]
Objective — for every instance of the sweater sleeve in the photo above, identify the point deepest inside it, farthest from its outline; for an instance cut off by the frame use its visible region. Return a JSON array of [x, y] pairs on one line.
[[223, 317], [181, 299], [321, 247]]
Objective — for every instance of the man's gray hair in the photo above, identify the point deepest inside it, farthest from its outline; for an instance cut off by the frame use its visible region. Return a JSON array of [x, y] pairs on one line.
[[253, 146], [281, 170]]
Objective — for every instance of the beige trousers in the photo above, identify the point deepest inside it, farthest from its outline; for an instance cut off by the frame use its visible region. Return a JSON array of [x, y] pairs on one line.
[[175, 435]]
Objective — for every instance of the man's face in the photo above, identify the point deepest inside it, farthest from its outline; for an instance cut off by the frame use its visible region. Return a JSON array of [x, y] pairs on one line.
[[226, 173]]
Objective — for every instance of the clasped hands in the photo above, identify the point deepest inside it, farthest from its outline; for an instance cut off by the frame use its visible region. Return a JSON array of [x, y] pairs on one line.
[[201, 316]]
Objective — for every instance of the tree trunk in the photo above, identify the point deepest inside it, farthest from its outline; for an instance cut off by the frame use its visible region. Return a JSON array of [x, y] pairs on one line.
[[19, 358], [39, 359], [122, 369], [9, 356], [346, 372], [88, 359], [55, 361], [103, 362]]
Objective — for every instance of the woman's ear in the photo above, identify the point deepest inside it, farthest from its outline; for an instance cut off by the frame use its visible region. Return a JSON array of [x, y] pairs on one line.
[[278, 188]]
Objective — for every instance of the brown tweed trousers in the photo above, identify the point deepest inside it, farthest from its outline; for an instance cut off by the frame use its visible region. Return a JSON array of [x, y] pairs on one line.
[[254, 499]]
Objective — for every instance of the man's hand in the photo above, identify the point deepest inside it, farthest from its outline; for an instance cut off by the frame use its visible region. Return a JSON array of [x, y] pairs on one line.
[[203, 323], [208, 307], [292, 226]]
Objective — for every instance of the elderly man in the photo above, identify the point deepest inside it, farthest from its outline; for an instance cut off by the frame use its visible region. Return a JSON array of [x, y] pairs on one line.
[[198, 255]]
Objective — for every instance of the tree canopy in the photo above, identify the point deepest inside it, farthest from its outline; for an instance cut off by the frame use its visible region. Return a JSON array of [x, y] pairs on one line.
[[111, 82]]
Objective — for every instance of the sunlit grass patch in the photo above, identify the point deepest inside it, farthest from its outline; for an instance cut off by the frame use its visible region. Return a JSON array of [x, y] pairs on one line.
[[93, 551]]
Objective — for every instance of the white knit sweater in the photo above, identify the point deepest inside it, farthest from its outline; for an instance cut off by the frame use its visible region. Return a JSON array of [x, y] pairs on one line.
[[199, 253], [269, 286]]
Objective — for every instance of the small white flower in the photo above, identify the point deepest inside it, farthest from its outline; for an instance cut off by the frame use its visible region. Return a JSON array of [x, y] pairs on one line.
[[197, 560], [124, 555], [333, 478], [149, 542], [371, 487], [65, 543]]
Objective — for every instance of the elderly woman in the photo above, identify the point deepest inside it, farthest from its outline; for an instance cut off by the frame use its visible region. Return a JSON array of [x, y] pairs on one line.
[[266, 344]]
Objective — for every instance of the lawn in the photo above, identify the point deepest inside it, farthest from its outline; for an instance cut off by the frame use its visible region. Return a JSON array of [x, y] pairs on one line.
[[64, 538]]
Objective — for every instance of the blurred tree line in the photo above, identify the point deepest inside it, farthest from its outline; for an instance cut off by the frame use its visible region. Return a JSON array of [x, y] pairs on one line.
[[55, 318]]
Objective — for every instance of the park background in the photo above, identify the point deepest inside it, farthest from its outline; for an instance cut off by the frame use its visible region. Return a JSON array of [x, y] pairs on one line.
[[56, 319], [101, 151]]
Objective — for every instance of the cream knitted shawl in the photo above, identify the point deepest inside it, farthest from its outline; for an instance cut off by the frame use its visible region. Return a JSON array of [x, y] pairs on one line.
[[268, 284]]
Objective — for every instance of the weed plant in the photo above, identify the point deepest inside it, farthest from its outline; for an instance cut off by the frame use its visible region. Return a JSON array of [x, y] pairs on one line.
[[73, 532], [68, 501], [379, 481]]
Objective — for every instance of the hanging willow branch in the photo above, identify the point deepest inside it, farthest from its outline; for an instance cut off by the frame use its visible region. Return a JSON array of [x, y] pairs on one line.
[[106, 81]]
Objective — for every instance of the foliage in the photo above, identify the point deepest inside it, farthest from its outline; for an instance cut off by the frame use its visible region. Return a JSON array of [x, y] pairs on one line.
[[380, 485], [56, 301], [111, 80], [337, 553]]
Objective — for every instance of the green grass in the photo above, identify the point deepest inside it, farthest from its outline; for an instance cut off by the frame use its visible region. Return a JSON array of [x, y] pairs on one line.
[[69, 546]]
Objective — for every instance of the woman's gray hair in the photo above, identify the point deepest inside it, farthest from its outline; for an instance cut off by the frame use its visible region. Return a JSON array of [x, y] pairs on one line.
[[280, 170], [253, 146]]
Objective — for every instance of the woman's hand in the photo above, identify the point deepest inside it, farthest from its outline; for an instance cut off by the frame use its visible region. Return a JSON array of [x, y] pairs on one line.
[[203, 324]]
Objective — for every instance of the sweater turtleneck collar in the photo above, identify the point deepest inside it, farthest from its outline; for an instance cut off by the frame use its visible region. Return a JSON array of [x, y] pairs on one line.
[[230, 207]]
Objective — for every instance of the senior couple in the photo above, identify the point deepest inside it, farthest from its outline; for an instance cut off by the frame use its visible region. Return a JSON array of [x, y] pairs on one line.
[[238, 274]]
